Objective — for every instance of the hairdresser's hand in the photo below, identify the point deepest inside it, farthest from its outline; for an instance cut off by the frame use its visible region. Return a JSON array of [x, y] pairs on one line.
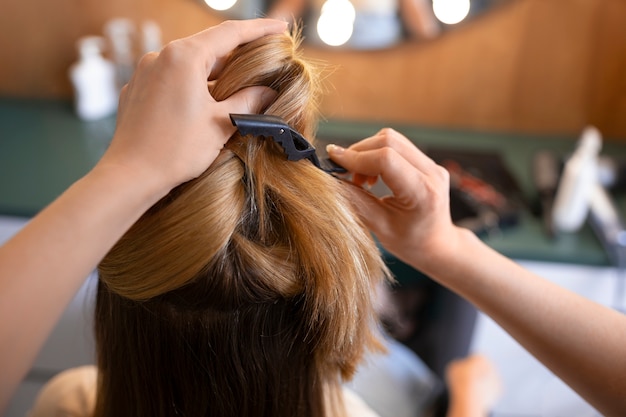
[[169, 128], [474, 386], [414, 222]]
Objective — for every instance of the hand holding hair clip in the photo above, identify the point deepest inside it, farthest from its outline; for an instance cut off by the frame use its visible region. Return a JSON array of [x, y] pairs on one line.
[[295, 145]]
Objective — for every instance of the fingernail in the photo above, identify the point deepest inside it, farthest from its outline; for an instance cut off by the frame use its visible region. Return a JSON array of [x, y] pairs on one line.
[[334, 149]]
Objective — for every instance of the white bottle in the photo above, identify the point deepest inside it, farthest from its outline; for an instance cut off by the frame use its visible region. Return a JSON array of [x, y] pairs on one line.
[[120, 33], [579, 179], [150, 37], [93, 78]]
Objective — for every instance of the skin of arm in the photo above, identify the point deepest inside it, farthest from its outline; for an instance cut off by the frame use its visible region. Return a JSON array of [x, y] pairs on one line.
[[474, 386], [581, 341], [169, 130]]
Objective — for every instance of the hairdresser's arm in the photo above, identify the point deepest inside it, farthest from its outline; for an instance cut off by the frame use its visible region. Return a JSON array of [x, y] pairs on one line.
[[169, 131], [580, 341]]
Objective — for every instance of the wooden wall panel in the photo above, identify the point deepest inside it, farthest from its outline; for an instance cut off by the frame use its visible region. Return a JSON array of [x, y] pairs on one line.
[[607, 91], [37, 37], [535, 66], [552, 80]]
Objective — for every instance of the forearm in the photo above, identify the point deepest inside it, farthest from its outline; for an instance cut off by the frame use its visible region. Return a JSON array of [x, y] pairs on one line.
[[554, 324], [53, 254]]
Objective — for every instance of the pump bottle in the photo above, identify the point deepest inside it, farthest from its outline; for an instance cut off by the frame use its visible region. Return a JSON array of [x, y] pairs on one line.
[[578, 181], [93, 78]]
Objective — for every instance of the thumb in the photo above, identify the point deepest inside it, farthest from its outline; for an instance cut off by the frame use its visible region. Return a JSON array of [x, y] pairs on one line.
[[250, 100], [363, 172]]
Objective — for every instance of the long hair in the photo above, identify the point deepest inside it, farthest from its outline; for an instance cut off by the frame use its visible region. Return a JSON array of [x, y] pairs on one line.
[[249, 290]]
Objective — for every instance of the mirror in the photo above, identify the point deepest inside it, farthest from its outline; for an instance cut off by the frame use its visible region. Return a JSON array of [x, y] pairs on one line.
[[361, 24]]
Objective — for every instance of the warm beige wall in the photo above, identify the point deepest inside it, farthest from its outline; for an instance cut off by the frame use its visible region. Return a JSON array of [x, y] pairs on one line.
[[543, 66]]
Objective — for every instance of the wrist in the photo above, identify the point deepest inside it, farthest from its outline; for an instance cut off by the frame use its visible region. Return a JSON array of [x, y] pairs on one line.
[[135, 187], [148, 171], [444, 250]]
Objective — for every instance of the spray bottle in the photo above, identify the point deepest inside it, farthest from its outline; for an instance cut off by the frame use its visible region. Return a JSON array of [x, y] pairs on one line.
[[577, 184]]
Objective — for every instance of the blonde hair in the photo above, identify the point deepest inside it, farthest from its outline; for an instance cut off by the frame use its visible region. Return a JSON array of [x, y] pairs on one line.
[[256, 244]]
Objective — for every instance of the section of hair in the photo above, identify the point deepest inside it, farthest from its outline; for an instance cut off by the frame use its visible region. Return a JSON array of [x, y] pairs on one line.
[[249, 290]]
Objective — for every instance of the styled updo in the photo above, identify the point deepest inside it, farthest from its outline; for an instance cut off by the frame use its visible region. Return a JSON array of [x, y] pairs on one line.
[[249, 290]]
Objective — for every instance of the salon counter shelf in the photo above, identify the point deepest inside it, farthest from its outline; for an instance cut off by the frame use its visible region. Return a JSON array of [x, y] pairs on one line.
[[527, 240], [44, 148]]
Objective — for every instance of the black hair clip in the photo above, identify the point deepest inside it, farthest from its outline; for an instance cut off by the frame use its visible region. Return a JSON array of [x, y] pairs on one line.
[[295, 145]]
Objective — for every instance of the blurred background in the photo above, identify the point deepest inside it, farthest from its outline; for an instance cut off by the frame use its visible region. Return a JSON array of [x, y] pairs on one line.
[[532, 66], [498, 91]]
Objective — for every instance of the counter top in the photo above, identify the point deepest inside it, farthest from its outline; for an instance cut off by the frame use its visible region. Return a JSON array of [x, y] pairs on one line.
[[528, 240], [44, 148]]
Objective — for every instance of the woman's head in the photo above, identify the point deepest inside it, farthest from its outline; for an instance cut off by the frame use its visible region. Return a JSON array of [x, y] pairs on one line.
[[247, 291]]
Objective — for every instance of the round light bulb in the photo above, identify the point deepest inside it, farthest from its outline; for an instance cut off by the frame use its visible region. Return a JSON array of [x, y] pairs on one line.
[[451, 12], [342, 9], [220, 4], [336, 22]]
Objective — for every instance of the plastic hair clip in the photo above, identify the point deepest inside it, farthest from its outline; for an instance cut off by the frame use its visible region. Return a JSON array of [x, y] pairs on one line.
[[295, 145]]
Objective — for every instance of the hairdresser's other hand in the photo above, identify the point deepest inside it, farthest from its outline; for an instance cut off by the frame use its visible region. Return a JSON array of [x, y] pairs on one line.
[[169, 128], [414, 222], [474, 386]]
